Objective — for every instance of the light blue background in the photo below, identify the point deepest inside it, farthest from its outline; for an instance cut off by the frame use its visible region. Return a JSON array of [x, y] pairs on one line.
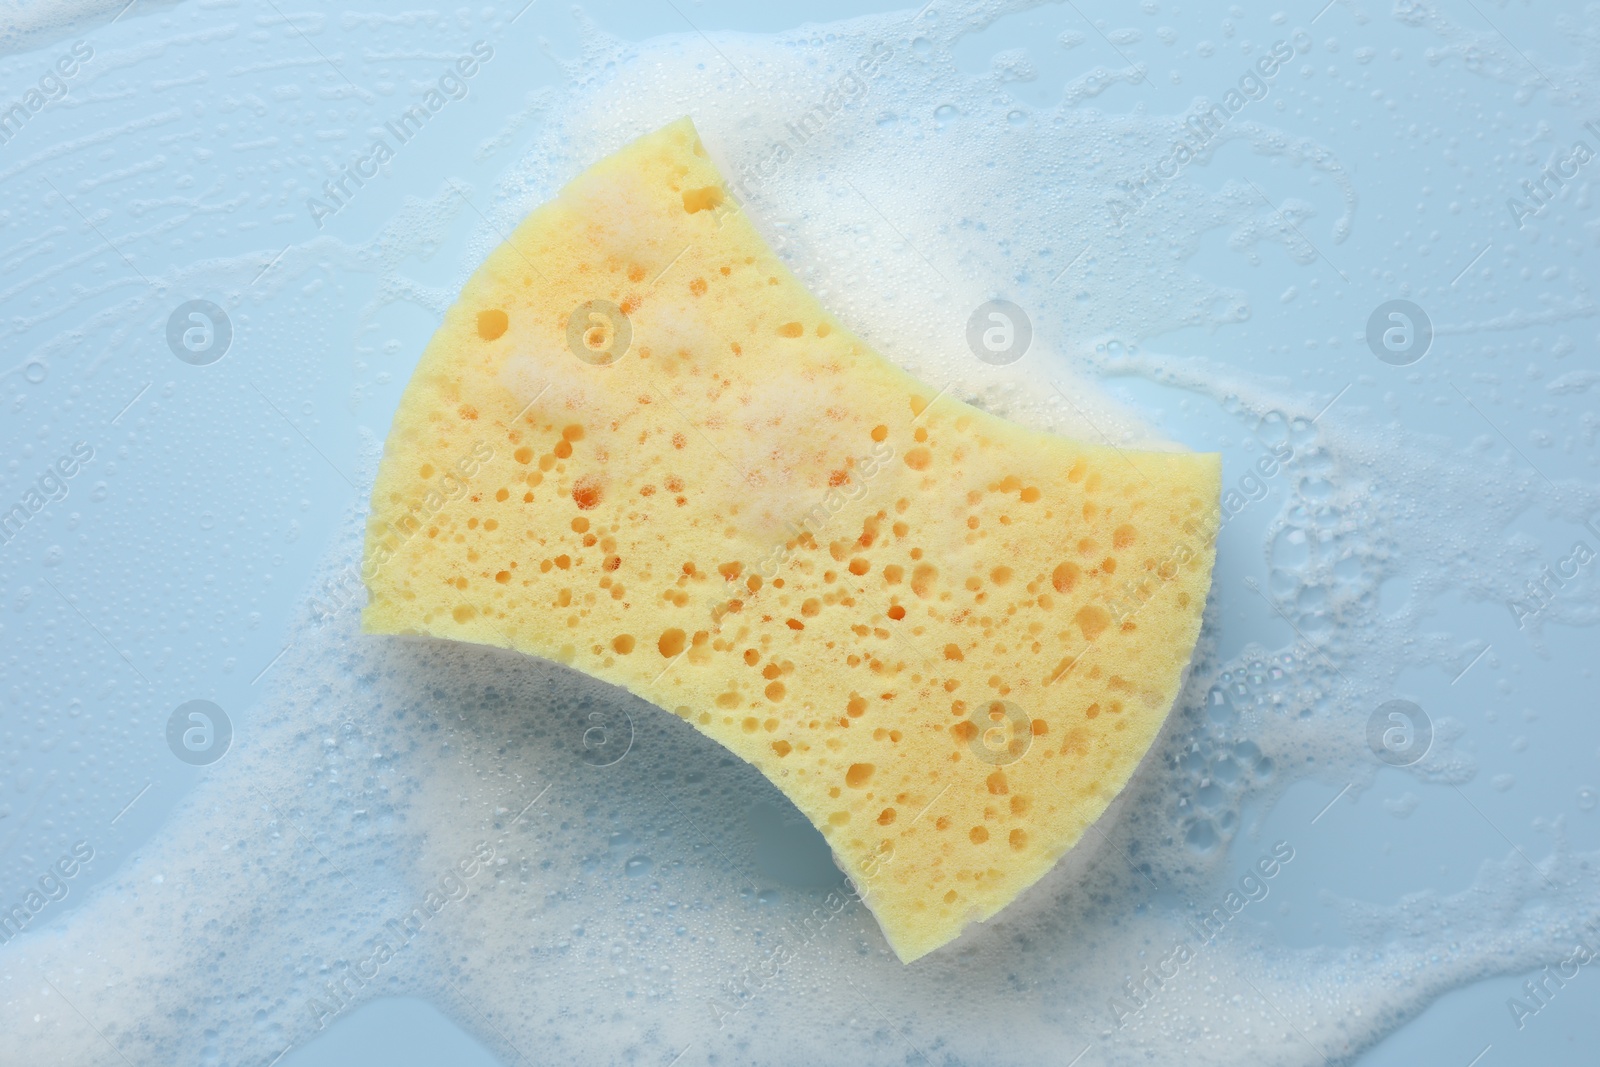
[[208, 526]]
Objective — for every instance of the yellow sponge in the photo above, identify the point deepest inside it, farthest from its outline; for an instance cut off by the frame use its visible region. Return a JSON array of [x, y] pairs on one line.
[[637, 445]]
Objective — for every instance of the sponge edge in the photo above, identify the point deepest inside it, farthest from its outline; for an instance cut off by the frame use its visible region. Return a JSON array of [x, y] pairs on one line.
[[639, 446]]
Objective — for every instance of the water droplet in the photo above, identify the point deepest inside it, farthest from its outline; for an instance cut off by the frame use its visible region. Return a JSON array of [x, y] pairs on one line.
[[638, 867], [1587, 798]]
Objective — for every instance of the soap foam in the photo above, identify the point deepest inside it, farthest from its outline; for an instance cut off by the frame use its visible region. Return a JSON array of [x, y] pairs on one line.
[[625, 910], [29, 24]]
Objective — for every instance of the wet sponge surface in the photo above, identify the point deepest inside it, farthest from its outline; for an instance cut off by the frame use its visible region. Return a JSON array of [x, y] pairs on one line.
[[640, 447]]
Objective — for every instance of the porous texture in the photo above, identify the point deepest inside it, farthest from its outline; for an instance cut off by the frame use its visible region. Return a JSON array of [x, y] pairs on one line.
[[949, 640]]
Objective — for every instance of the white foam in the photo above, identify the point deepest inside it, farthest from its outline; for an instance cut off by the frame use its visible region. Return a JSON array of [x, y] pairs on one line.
[[30, 24]]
